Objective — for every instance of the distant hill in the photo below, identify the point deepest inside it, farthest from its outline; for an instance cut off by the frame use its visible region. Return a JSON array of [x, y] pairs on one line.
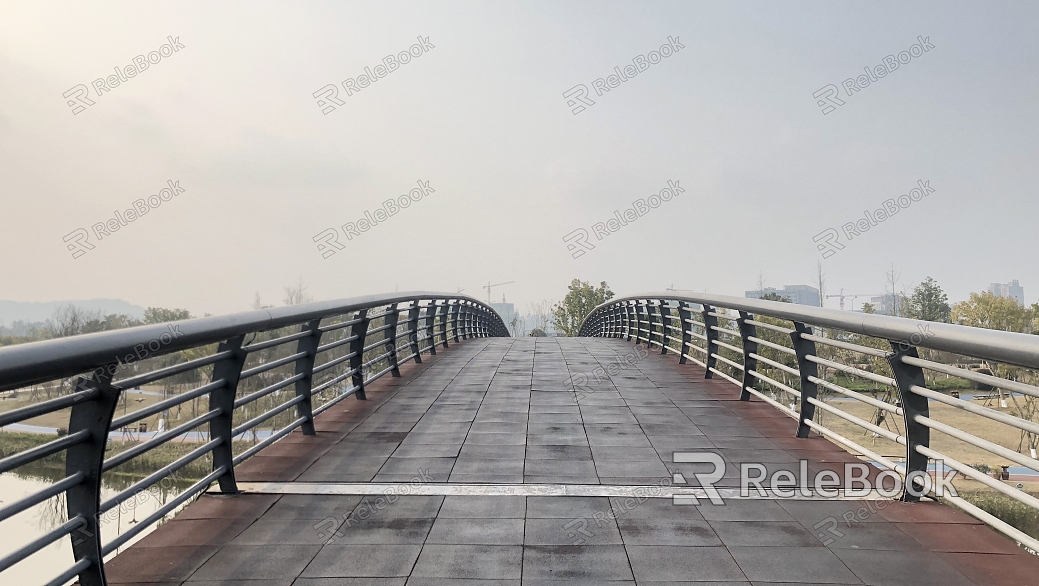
[[11, 311]]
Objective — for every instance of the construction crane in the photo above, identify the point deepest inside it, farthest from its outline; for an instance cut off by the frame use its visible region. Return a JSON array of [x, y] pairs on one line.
[[853, 296], [489, 285]]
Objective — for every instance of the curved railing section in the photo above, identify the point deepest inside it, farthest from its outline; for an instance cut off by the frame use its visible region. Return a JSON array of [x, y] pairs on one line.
[[228, 387], [839, 373]]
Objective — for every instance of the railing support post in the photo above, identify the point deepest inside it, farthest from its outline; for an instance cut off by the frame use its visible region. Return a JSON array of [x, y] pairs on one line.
[[84, 499], [710, 322], [359, 329], [747, 330], [431, 314], [629, 319], [413, 336], [456, 310], [443, 322], [917, 434], [391, 339], [229, 369], [805, 348], [305, 366], [687, 339], [665, 321]]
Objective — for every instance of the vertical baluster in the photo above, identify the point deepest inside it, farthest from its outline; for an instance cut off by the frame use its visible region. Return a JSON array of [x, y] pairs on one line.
[[747, 330], [305, 366], [805, 348], [359, 329], [665, 320], [230, 370], [710, 322], [687, 340], [391, 317], [413, 343], [917, 434]]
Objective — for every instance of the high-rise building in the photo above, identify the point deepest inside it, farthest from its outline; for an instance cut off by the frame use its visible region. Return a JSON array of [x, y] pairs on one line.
[[1012, 290], [801, 294]]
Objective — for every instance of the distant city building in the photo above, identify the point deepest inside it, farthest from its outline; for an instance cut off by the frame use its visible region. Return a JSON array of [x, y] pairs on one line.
[[1012, 290], [801, 294], [507, 311]]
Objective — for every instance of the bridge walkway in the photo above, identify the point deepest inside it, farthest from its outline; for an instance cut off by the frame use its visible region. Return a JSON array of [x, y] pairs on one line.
[[482, 467]]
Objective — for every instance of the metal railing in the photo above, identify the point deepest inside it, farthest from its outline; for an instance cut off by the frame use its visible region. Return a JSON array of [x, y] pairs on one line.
[[770, 351], [275, 368]]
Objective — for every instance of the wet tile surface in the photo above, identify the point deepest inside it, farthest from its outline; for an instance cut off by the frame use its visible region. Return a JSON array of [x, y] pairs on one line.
[[501, 411]]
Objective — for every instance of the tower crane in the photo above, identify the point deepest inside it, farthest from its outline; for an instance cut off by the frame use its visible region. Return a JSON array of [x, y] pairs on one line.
[[489, 285], [853, 297]]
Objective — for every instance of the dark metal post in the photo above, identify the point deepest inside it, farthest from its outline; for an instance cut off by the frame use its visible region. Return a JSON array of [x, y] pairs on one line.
[[84, 499], [359, 329], [456, 310], [710, 322], [917, 434], [413, 336], [665, 321], [391, 318], [431, 315], [305, 366], [229, 369], [442, 311], [807, 368], [749, 347], [687, 340], [627, 321]]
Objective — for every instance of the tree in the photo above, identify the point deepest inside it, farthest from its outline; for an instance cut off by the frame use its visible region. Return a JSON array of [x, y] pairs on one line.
[[897, 297], [772, 296], [928, 302], [541, 311], [538, 333], [985, 310], [159, 315], [868, 308], [69, 320], [297, 294], [580, 300], [820, 280]]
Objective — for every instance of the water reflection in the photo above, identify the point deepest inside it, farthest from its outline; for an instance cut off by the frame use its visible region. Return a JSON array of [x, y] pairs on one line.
[[28, 525]]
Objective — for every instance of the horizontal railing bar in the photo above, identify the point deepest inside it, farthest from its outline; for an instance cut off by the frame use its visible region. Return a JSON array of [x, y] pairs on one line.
[[729, 346], [972, 376], [977, 409], [17, 415], [271, 365], [726, 377], [406, 358], [782, 408], [374, 377], [1020, 496], [160, 439], [268, 390], [52, 447], [163, 511], [772, 327], [159, 474], [978, 442], [723, 315], [277, 341], [326, 406], [774, 383], [779, 347], [382, 342], [70, 573], [852, 370], [865, 399], [42, 541], [163, 405], [326, 365], [335, 380], [379, 329], [729, 362], [337, 343], [695, 360], [995, 522], [857, 421], [270, 440], [339, 325], [775, 364], [149, 377], [265, 416], [845, 345], [38, 497], [856, 447], [376, 359]]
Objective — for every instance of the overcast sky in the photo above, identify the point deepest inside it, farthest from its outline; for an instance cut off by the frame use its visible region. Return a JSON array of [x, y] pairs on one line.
[[481, 117]]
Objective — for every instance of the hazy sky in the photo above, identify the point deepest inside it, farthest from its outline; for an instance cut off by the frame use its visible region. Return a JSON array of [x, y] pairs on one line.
[[481, 116]]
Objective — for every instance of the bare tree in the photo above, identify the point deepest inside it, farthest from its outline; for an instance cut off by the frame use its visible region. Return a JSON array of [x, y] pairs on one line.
[[761, 283], [541, 311], [820, 280], [297, 294], [898, 295], [69, 320]]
